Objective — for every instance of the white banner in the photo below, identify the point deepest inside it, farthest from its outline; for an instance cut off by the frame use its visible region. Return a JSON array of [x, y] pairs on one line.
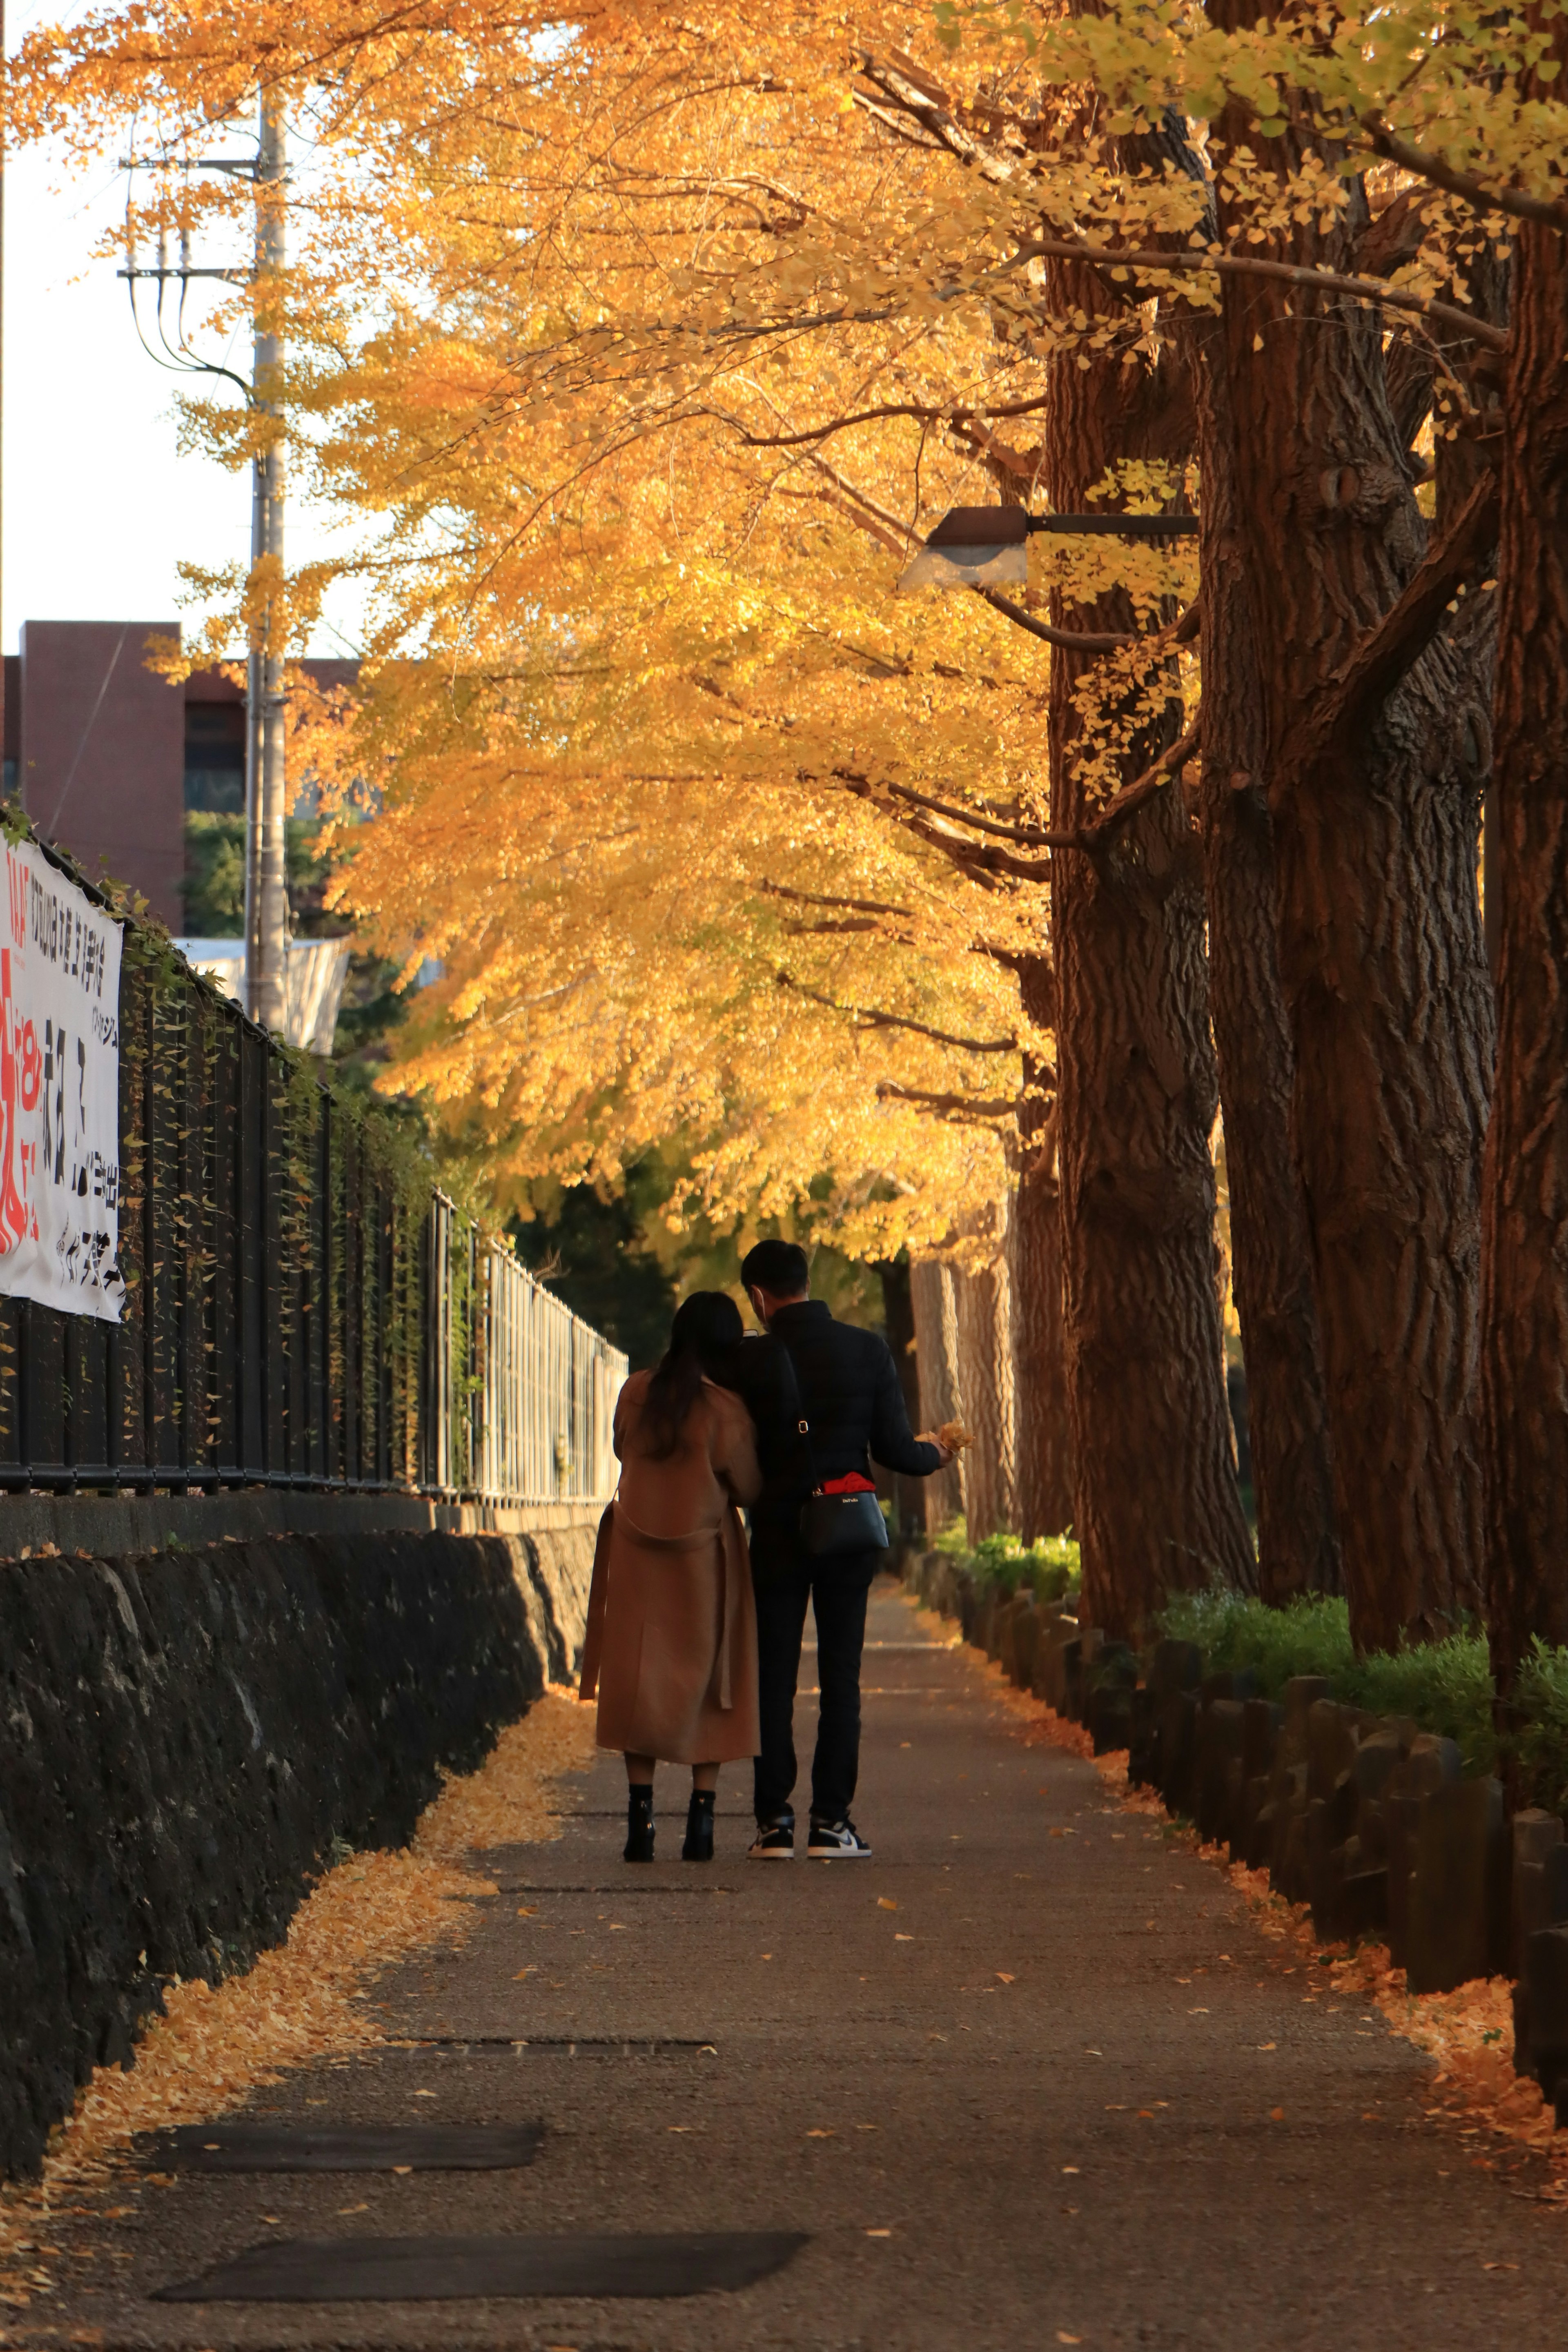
[[60, 1092]]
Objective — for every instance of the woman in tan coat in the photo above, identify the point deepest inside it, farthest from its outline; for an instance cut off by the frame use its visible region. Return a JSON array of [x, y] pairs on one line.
[[672, 1644]]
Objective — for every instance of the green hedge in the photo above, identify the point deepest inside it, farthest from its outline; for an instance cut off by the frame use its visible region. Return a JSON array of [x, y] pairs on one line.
[[1444, 1687], [1049, 1566]]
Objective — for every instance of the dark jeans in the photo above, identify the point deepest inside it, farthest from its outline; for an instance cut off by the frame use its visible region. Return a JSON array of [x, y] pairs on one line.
[[838, 1591]]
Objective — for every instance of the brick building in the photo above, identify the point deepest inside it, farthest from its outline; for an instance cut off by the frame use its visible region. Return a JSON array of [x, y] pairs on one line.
[[106, 757]]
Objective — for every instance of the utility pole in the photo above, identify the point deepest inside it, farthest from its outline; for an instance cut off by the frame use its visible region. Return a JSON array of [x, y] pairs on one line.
[[265, 785], [266, 781]]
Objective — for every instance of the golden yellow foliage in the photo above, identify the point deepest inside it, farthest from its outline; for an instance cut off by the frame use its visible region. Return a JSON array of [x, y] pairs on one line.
[[646, 348]]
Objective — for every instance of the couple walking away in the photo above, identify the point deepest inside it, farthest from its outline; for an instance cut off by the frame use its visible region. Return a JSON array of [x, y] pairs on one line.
[[693, 1641]]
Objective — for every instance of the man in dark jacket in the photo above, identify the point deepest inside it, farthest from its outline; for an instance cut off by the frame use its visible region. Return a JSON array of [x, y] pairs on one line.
[[846, 1388]]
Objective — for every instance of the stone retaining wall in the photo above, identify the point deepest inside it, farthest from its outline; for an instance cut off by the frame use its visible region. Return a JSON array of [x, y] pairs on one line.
[[185, 1733], [1368, 1819]]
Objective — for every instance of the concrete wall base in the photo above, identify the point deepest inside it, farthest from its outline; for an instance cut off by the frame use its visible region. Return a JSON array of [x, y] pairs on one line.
[[108, 1525], [184, 1733]]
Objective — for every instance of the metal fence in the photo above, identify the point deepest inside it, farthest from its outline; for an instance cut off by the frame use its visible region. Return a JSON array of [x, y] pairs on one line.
[[538, 1385], [302, 1309]]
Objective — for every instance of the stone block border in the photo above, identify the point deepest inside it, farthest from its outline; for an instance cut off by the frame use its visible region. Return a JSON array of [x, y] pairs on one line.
[[1367, 1819]]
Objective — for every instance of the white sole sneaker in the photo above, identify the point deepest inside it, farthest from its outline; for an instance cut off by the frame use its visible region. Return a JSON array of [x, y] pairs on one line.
[[841, 1845], [759, 1851]]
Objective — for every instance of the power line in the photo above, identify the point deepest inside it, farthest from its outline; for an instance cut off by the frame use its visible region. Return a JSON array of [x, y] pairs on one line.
[[266, 782]]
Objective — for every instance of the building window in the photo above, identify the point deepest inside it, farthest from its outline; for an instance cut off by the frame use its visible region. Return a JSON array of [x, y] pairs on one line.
[[215, 758]]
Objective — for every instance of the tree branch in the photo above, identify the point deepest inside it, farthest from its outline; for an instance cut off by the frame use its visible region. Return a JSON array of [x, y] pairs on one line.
[[926, 415], [1084, 640], [867, 1017], [1322, 281], [1513, 201], [1132, 797], [980, 1111], [810, 898], [1374, 668], [1117, 810], [1036, 835]]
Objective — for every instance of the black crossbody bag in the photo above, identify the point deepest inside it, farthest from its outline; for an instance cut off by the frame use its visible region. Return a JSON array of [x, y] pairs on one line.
[[831, 1525]]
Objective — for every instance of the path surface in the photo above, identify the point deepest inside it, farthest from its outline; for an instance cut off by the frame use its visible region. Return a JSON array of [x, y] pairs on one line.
[[1033, 2102]]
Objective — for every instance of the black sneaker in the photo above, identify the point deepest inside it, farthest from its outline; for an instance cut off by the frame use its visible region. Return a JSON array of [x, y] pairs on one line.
[[836, 1842], [774, 1841]]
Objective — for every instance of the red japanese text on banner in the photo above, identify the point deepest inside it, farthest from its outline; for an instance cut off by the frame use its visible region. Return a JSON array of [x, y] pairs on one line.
[[60, 1092]]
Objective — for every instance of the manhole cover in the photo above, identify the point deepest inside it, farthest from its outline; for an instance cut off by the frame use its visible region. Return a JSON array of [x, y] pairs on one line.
[[574, 2045], [621, 1892], [421, 2270], [348, 2148]]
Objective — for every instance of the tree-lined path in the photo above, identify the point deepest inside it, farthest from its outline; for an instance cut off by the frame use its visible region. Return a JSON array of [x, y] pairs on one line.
[[1016, 2087]]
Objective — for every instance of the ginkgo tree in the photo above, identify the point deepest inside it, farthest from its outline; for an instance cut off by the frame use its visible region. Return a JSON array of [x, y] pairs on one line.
[[601, 296]]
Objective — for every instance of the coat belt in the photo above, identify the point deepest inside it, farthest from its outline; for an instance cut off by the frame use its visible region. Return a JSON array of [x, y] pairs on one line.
[[665, 1543]]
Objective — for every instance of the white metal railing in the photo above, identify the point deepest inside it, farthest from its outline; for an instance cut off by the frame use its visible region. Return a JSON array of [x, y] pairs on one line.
[[520, 1392]]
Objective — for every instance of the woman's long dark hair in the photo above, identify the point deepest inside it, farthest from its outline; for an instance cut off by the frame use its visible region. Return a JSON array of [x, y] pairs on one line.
[[703, 1338]]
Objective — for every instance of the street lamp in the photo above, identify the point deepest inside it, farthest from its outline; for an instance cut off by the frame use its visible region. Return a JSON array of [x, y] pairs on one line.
[[987, 547]]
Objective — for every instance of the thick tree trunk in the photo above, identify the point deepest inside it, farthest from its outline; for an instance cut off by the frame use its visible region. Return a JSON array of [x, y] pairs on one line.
[[986, 1392], [1380, 951], [1045, 1474], [1044, 1457], [1525, 1307], [1158, 1505], [899, 1326], [1271, 1261], [936, 1363]]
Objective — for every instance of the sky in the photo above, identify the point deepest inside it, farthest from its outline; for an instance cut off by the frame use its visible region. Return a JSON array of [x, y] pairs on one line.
[[101, 507]]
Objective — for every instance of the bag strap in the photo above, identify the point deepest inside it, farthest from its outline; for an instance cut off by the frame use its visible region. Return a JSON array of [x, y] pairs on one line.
[[793, 1397]]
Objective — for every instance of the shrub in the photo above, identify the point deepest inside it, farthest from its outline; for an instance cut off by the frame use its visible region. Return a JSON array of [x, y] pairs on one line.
[[1049, 1566], [1310, 1637], [1442, 1687]]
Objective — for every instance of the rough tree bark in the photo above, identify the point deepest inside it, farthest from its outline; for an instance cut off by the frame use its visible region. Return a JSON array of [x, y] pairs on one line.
[[899, 1326], [1158, 1505], [1271, 1261], [936, 1362], [1375, 803], [985, 1396], [1045, 1471], [1525, 1281]]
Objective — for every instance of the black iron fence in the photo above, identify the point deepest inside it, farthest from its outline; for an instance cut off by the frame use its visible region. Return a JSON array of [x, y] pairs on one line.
[[302, 1309]]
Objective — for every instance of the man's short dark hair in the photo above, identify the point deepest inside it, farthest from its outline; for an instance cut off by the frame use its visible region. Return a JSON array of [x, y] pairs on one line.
[[781, 1269]]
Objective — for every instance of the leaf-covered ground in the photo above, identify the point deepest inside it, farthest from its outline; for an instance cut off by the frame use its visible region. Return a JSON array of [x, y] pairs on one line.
[[307, 1999], [1469, 2031]]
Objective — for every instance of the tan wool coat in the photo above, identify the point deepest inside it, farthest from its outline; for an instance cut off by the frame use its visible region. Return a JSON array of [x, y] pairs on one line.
[[672, 1644]]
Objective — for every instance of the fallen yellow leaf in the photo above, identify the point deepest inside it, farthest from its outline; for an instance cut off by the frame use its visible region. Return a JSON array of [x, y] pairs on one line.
[[886, 1903], [1003, 1977]]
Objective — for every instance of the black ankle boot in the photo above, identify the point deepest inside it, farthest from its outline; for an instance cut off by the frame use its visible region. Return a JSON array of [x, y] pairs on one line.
[[698, 1846], [639, 1822]]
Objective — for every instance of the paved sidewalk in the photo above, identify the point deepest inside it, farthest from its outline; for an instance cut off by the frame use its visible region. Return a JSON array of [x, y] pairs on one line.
[[1019, 2088]]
